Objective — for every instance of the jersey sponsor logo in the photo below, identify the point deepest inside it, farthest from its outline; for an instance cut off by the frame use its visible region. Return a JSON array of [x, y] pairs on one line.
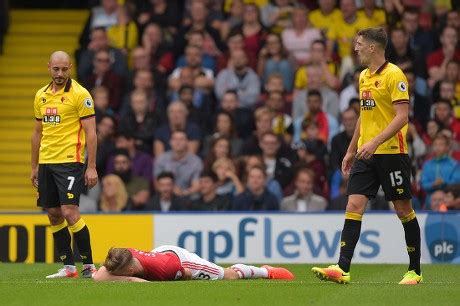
[[62, 99], [377, 83], [43, 100], [367, 101], [88, 103], [51, 116], [402, 86]]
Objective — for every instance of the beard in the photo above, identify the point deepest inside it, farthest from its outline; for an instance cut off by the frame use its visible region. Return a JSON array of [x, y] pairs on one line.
[[59, 80], [124, 175]]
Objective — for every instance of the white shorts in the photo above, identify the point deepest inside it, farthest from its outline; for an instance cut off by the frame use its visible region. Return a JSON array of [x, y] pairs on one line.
[[201, 268]]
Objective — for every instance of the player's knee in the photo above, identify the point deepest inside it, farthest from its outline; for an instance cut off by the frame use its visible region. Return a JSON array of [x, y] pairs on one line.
[[55, 216], [402, 208], [230, 274], [71, 213]]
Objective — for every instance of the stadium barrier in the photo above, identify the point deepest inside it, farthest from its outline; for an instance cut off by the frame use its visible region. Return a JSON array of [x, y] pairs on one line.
[[239, 237]]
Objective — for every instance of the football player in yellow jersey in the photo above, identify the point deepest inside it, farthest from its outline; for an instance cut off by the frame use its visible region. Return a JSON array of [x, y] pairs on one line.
[[65, 128], [377, 156]]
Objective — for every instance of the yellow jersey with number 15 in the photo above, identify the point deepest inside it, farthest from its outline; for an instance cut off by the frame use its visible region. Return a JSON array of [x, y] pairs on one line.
[[378, 93], [63, 138]]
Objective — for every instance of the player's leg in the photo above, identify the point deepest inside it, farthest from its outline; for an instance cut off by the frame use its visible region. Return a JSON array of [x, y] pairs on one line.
[[411, 227], [395, 177], [363, 183], [70, 181], [48, 198], [251, 272], [201, 269]]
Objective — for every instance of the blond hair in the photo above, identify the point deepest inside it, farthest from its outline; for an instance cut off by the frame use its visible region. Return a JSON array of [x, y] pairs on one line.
[[223, 161], [117, 259], [121, 196]]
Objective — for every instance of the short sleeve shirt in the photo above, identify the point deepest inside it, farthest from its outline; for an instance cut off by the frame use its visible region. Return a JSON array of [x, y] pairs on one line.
[[378, 93], [63, 139]]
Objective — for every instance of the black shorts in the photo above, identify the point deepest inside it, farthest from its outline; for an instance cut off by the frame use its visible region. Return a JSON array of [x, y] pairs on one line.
[[60, 184], [392, 171]]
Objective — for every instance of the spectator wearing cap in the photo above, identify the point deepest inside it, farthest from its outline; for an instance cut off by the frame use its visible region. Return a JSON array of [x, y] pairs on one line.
[[136, 186], [303, 199], [185, 165], [165, 199], [208, 199], [256, 196]]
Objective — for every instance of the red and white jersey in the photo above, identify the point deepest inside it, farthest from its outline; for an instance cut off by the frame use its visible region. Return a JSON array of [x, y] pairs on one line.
[[199, 267], [159, 266]]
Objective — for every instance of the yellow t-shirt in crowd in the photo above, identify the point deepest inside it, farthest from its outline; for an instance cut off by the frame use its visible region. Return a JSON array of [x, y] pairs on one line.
[[324, 22], [377, 19], [378, 93], [301, 77], [63, 139], [259, 3], [343, 33]]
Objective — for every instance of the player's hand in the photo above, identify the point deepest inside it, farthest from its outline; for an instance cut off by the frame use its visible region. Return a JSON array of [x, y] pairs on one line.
[[34, 177], [367, 150], [347, 162], [90, 177]]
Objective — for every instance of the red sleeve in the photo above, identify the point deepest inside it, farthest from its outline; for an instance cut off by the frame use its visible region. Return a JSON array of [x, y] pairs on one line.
[[166, 61], [434, 59]]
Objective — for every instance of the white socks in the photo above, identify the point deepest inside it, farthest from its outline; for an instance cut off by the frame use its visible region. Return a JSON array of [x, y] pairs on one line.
[[247, 272], [70, 268]]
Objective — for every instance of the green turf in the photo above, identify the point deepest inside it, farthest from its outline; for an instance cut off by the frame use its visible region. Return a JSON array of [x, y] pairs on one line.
[[22, 284]]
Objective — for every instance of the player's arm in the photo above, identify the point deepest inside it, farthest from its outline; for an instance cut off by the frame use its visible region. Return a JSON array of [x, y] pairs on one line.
[[103, 275], [89, 125], [35, 141], [351, 151], [399, 121]]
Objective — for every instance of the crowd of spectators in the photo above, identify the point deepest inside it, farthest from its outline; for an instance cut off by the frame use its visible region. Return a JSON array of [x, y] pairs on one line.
[[250, 105]]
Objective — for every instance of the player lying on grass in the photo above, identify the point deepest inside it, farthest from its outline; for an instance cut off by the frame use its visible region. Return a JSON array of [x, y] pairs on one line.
[[169, 263]]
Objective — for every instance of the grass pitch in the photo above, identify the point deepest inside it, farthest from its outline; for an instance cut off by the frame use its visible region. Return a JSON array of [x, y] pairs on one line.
[[22, 284]]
